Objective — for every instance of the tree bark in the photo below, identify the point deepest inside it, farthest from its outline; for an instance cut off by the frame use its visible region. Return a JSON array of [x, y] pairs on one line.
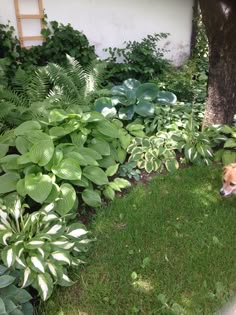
[[219, 18]]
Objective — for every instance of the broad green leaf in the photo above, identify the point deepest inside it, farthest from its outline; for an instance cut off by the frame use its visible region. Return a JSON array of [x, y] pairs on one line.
[[54, 194], [91, 198], [107, 128], [230, 143], [6, 280], [26, 127], [82, 159], [104, 106], [42, 152], [100, 146], [20, 187], [38, 187], [124, 138], [95, 174], [10, 307], [126, 113], [3, 269], [131, 84], [3, 149], [107, 161], [67, 169], [2, 307], [57, 115], [90, 152], [147, 91], [109, 193], [8, 182], [66, 200], [119, 183], [149, 166], [145, 108], [228, 157], [112, 170], [166, 98], [22, 144], [10, 162]]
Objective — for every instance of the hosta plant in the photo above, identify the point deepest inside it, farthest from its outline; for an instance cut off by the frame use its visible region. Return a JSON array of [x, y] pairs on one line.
[[197, 145], [66, 156], [13, 300], [227, 154], [129, 169], [132, 99], [41, 245], [155, 152]]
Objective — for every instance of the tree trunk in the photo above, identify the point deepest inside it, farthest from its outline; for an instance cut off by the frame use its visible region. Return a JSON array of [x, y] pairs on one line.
[[219, 18], [194, 26]]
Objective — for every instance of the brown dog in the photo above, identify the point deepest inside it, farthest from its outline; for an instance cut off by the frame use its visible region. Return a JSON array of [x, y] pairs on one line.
[[229, 180]]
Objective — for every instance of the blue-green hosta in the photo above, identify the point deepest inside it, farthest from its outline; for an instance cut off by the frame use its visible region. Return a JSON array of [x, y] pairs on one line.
[[133, 99], [13, 300], [54, 159], [41, 245]]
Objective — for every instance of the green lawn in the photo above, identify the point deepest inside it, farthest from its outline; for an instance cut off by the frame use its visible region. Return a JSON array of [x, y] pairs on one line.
[[165, 248]]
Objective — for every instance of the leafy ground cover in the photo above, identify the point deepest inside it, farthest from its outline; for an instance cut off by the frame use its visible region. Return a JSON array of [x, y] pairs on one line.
[[166, 247]]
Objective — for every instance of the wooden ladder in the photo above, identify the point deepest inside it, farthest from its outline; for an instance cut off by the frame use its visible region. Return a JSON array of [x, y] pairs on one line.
[[20, 17]]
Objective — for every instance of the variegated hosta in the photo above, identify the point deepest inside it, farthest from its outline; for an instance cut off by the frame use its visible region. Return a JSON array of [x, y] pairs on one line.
[[40, 245], [155, 152]]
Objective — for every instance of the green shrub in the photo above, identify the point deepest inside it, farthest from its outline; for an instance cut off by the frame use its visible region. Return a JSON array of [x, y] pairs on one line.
[[41, 245], [60, 40], [13, 300], [67, 152], [140, 60], [132, 99]]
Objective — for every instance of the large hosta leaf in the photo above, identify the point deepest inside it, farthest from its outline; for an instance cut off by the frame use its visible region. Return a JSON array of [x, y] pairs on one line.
[[91, 198], [67, 169], [145, 108], [108, 129], [95, 174], [27, 126], [8, 182], [126, 113], [147, 91], [100, 146], [166, 98], [131, 84], [42, 152], [3, 149], [38, 187], [66, 199], [104, 106]]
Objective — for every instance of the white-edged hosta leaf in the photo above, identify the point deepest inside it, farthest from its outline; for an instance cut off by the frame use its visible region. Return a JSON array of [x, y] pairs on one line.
[[61, 257], [172, 165], [65, 281], [76, 230], [5, 237], [20, 262], [27, 273], [55, 229], [37, 264], [8, 256], [52, 269], [34, 244], [44, 286], [41, 252]]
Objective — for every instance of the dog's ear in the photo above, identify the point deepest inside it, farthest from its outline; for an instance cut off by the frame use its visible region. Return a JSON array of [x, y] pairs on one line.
[[233, 165], [225, 169]]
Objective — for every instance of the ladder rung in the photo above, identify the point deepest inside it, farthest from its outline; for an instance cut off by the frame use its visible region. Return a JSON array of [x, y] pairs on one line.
[[32, 38], [29, 16]]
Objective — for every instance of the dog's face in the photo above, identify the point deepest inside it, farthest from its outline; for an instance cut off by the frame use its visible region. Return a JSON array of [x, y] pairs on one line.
[[229, 180]]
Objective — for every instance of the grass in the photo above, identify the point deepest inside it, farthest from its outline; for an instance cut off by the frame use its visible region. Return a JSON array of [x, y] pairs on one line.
[[165, 248]]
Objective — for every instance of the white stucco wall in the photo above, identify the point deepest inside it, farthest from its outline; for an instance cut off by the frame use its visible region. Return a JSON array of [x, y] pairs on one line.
[[108, 23]]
